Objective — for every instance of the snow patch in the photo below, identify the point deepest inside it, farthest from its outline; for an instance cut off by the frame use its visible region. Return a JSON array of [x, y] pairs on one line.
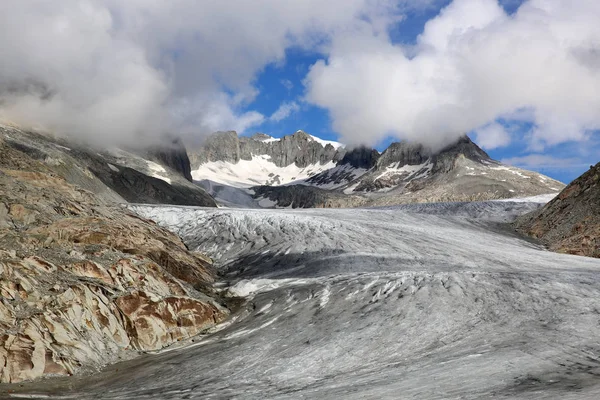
[[267, 203], [542, 198], [158, 171], [336, 145], [258, 171], [112, 167]]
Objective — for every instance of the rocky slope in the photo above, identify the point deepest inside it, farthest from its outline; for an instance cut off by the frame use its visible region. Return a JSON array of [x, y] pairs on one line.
[[571, 222], [300, 171], [84, 282], [155, 175]]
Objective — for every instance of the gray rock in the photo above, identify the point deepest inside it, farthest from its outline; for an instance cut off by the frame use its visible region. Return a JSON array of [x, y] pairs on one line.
[[361, 157], [172, 154], [221, 146], [403, 153], [116, 176], [299, 148]]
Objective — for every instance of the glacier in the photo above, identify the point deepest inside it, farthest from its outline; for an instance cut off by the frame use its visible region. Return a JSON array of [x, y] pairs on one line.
[[424, 301]]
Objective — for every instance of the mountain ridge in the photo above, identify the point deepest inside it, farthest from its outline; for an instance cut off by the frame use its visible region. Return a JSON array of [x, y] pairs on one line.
[[265, 168], [147, 175]]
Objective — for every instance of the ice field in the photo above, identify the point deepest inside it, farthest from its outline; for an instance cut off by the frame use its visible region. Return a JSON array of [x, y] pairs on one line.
[[410, 302]]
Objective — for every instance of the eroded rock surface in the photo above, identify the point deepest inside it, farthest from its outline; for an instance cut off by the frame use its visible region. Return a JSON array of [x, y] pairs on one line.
[[571, 222], [84, 283]]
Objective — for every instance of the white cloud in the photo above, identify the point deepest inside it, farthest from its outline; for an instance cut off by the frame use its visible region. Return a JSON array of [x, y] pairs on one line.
[[284, 111], [543, 161], [492, 136], [472, 64], [113, 69], [286, 83]]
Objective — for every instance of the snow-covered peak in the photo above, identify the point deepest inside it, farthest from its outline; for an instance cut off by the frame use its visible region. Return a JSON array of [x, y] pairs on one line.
[[336, 145]]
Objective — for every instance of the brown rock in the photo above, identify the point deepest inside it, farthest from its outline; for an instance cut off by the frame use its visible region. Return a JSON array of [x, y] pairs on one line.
[[83, 284], [571, 222]]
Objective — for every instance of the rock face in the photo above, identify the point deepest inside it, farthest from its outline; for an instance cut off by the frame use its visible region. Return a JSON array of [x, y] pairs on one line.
[[300, 149], [172, 155], [361, 157], [403, 153], [571, 222], [115, 175], [84, 283]]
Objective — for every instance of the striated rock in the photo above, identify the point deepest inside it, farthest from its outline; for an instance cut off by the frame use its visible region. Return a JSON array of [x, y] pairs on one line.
[[154, 323], [570, 223], [220, 146], [84, 283]]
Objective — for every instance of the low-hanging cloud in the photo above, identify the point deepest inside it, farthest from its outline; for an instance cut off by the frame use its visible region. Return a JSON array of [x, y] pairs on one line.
[[115, 70], [472, 64], [129, 71]]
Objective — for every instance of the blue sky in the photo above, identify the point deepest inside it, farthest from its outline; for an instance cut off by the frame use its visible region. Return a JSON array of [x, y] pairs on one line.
[[282, 82]]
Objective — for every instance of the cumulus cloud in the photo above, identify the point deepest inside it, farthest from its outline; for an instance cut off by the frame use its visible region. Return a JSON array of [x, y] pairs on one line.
[[284, 111], [492, 136], [111, 70], [472, 64]]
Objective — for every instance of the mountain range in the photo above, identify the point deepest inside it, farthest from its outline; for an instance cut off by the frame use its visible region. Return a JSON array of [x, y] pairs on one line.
[[301, 170]]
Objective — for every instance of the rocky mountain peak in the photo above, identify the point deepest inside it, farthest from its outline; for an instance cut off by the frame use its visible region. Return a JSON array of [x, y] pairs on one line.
[[445, 160], [360, 157], [261, 136], [403, 153]]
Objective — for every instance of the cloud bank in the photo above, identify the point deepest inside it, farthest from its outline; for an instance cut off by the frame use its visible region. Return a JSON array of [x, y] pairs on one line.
[[112, 70], [472, 64]]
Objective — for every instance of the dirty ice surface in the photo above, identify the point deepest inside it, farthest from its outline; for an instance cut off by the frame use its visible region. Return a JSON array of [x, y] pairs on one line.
[[412, 302]]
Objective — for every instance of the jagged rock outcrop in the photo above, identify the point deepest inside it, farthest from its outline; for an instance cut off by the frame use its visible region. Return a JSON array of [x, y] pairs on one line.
[[84, 283], [445, 160], [114, 175], [361, 157], [570, 223], [299, 148], [403, 153]]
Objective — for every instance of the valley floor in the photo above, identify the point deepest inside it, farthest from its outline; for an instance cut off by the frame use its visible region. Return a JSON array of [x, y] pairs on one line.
[[421, 301]]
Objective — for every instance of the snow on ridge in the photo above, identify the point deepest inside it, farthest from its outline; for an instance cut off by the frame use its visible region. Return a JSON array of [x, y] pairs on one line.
[[336, 145], [323, 142], [270, 139], [258, 171], [158, 171]]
